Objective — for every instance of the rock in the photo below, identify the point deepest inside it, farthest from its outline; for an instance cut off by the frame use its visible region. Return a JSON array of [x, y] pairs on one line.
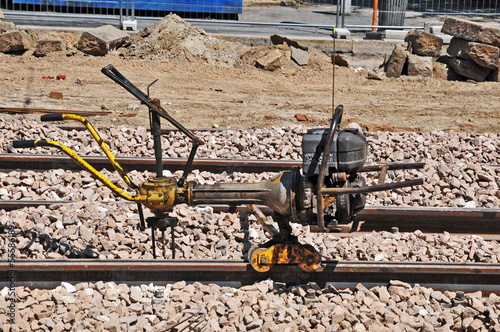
[[482, 54], [135, 294], [469, 69], [299, 56], [424, 43], [475, 325], [1, 15], [397, 60], [373, 76], [471, 31], [69, 287], [279, 40], [16, 41], [7, 26], [55, 95], [44, 47], [302, 117], [341, 61], [271, 61], [100, 40], [112, 325], [86, 233], [419, 65]]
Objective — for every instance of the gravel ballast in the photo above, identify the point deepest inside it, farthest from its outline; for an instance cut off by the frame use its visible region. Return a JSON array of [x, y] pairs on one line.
[[264, 306], [460, 171]]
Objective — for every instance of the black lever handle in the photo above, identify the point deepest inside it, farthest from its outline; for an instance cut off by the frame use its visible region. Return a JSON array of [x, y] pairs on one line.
[[29, 144], [52, 117]]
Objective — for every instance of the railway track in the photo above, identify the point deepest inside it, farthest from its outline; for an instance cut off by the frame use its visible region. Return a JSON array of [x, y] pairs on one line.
[[484, 222], [439, 276]]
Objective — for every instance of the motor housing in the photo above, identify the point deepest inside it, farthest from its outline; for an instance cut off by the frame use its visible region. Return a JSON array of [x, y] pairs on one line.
[[348, 153], [348, 156]]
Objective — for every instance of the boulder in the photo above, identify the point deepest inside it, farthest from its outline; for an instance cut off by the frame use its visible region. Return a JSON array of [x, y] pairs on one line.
[[469, 69], [341, 61], [397, 60], [1, 15], [101, 40], [482, 54], [15, 41], [471, 31], [270, 61], [424, 43], [419, 65], [44, 47], [279, 40]]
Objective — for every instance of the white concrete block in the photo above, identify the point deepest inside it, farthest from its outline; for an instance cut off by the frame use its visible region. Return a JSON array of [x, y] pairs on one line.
[[396, 34], [129, 25], [342, 33]]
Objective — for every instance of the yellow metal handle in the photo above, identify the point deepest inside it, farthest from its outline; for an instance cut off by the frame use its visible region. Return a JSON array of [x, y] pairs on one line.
[[88, 167], [102, 145]]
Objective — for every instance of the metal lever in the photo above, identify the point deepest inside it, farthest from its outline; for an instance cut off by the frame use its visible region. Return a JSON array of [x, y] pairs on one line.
[[154, 106], [116, 76]]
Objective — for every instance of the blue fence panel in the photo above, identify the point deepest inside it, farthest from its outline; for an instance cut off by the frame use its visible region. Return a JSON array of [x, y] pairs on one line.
[[197, 6]]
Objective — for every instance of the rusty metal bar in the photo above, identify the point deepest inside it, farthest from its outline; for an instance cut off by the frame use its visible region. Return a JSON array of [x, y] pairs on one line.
[[440, 276], [45, 162], [370, 189], [392, 166], [50, 111]]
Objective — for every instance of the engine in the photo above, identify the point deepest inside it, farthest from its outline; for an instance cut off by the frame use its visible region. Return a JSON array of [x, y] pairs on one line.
[[348, 156]]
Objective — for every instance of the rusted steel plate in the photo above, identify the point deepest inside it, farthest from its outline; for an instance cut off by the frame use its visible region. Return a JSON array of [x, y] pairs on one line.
[[444, 276]]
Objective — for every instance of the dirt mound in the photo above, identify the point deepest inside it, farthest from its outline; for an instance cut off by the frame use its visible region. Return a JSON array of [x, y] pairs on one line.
[[176, 40]]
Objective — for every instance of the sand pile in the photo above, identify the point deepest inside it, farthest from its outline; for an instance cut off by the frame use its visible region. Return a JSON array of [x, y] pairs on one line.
[[174, 39]]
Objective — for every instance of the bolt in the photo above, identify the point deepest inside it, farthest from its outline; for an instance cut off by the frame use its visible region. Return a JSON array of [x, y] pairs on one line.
[[395, 230], [459, 296], [262, 259]]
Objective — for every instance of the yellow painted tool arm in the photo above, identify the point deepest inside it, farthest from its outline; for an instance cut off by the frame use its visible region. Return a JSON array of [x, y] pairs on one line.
[[80, 161], [102, 144]]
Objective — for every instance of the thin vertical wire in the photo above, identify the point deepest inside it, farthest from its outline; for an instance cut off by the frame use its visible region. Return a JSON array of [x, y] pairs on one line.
[[333, 73]]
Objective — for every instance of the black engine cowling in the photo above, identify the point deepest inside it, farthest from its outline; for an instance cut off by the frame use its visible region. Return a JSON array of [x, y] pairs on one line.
[[348, 155]]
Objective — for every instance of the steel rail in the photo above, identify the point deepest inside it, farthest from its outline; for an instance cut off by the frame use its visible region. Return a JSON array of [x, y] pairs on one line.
[[47, 162], [442, 276], [29, 110], [479, 221]]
